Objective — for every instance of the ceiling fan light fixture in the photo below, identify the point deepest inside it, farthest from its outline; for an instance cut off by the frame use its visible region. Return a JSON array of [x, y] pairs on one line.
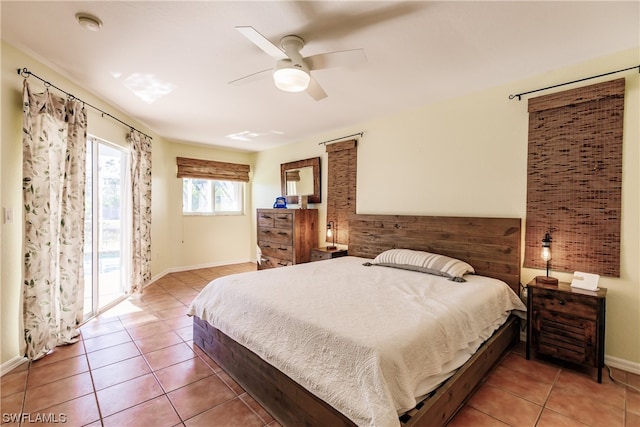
[[291, 79]]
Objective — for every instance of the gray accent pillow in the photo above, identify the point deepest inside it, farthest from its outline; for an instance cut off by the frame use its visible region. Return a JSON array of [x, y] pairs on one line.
[[424, 262]]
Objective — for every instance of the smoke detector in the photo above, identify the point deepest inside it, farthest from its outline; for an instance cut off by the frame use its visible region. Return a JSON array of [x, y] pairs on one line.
[[89, 21]]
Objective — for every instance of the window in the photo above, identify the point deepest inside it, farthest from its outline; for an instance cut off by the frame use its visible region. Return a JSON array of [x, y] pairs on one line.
[[212, 188], [341, 186], [574, 178], [212, 197]]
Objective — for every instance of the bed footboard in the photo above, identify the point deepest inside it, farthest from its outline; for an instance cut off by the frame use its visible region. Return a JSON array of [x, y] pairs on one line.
[[292, 405], [288, 402]]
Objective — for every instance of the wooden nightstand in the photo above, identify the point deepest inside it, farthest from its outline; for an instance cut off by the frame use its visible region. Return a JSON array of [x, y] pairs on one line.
[[566, 323], [318, 254]]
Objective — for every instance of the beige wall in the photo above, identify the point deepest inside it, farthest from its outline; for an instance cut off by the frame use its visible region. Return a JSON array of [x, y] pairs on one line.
[[206, 240], [468, 156]]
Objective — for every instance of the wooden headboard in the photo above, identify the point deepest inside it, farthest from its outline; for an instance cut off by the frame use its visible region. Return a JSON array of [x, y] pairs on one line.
[[490, 245]]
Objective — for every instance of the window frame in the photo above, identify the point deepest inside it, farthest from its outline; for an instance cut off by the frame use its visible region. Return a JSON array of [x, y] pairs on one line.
[[242, 202]]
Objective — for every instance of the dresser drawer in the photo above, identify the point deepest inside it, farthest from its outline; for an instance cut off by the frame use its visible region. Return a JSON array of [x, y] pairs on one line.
[[275, 235], [271, 262], [265, 219], [283, 220], [274, 219], [574, 305], [272, 249]]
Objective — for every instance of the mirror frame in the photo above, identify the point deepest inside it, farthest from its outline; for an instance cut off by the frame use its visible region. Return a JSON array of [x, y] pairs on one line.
[[315, 164]]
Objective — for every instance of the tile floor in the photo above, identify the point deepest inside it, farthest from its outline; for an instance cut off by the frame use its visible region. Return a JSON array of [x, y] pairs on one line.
[[136, 365]]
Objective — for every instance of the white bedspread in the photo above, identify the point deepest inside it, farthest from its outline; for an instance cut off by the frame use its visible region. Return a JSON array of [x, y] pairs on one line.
[[363, 339]]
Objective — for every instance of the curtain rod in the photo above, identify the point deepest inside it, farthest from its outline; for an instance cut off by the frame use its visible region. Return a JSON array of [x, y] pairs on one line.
[[26, 73], [342, 137], [519, 95]]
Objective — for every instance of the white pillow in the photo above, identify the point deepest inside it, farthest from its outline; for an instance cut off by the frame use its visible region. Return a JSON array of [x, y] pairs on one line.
[[424, 262]]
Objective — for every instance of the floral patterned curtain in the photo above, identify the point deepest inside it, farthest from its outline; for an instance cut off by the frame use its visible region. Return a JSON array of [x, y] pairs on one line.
[[140, 149], [54, 150]]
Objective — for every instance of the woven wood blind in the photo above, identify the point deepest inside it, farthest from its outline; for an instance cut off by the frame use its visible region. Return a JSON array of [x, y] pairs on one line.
[[209, 169], [574, 178], [292, 175], [341, 187]]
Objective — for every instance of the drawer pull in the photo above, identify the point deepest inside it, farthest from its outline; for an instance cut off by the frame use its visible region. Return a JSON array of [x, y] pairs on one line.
[[265, 216], [266, 231], [283, 217], [282, 233], [266, 246], [284, 264], [282, 249]]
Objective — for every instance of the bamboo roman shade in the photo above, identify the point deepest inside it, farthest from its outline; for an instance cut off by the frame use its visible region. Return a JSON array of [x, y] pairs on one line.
[[293, 175], [574, 178], [209, 169], [341, 186]]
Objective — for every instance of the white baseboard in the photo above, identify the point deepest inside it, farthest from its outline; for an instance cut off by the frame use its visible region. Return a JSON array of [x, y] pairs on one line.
[[10, 365], [622, 364], [614, 362], [195, 267]]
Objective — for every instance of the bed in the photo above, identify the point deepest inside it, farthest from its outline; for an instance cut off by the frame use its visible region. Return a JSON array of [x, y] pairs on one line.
[[378, 392]]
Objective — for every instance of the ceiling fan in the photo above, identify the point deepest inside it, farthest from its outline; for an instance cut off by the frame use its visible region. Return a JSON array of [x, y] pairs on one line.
[[292, 72]]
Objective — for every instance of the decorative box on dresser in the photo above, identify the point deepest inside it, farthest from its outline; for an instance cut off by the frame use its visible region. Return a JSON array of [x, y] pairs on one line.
[[286, 236], [318, 254], [566, 323]]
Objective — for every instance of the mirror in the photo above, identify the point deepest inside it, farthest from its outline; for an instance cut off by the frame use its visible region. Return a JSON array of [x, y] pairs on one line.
[[301, 178]]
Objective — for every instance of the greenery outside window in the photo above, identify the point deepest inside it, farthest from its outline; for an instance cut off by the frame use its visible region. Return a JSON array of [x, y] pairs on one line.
[[212, 197]]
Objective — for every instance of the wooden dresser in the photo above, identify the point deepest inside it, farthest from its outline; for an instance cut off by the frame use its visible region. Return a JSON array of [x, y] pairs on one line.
[[566, 323], [286, 236]]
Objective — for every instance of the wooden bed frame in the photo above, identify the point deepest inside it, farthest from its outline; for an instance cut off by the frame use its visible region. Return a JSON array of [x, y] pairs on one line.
[[490, 245]]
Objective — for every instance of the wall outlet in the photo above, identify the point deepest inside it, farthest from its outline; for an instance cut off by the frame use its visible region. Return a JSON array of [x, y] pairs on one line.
[[7, 215]]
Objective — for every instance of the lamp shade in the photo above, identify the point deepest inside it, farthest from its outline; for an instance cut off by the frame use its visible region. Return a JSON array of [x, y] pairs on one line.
[[291, 79]]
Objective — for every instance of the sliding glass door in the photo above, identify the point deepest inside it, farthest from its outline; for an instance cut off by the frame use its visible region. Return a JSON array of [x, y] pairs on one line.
[[107, 235]]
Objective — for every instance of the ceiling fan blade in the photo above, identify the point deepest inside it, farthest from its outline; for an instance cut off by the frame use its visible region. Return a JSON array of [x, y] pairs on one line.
[[315, 90], [343, 58], [262, 42], [252, 77]]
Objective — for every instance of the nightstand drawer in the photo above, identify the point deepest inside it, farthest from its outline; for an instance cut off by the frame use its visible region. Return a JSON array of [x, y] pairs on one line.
[[319, 254], [565, 337], [571, 304]]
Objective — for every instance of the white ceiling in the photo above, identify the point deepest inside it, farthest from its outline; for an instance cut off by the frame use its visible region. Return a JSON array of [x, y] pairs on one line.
[[418, 53]]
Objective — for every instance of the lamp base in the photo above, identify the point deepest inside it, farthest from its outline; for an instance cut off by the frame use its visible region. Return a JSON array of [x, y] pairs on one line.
[[331, 248], [546, 280]]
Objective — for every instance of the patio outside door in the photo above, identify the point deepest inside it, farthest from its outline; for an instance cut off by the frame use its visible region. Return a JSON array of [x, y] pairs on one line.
[[107, 235]]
